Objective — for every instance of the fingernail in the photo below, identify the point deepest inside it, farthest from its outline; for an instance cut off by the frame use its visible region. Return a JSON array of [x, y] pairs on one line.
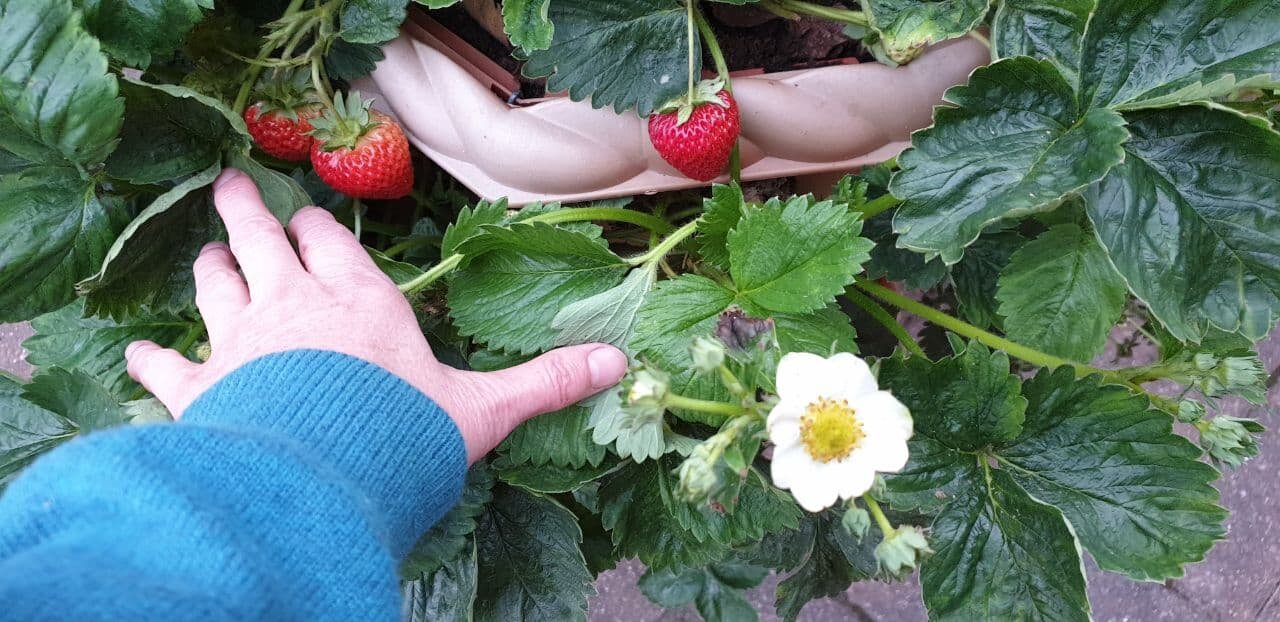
[[228, 175], [607, 364], [131, 348]]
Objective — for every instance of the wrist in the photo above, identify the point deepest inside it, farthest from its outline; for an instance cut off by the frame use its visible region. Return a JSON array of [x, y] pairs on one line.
[[393, 443]]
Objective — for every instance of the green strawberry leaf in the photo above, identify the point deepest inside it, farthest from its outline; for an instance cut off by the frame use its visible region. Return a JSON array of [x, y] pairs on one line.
[[620, 53], [1191, 220], [1062, 278], [899, 264], [170, 132], [76, 396], [826, 568], [54, 231], [136, 31], [1045, 29], [966, 402], [716, 589], [530, 566], [559, 439], [348, 61], [370, 21], [66, 338], [796, 258], [1001, 555], [646, 520], [446, 593], [528, 23], [975, 276], [1135, 493], [720, 215], [447, 540], [1161, 53], [468, 223], [550, 478], [27, 430], [607, 317], [1016, 143], [906, 27], [58, 101], [518, 278], [150, 263]]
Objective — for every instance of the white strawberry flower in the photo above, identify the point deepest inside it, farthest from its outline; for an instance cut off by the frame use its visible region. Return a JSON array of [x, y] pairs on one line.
[[833, 429]]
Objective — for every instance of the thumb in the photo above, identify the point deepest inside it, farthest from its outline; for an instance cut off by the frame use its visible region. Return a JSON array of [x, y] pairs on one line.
[[164, 372], [557, 379]]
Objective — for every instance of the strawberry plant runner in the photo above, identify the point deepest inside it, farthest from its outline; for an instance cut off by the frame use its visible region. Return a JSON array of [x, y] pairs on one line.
[[1116, 165]]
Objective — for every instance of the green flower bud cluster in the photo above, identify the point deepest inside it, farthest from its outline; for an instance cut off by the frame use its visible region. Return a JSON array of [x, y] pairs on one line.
[[1216, 376], [856, 521], [1229, 440]]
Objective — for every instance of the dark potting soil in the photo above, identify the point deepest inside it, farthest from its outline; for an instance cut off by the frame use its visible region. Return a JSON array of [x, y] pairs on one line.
[[750, 38]]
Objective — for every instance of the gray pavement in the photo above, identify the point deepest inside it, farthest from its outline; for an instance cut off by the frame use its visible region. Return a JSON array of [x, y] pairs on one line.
[[1238, 581]]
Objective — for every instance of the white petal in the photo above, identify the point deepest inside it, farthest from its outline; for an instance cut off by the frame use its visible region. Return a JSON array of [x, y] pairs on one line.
[[885, 456], [784, 432], [801, 377], [883, 417], [855, 479], [814, 493], [787, 410], [790, 464], [847, 377]]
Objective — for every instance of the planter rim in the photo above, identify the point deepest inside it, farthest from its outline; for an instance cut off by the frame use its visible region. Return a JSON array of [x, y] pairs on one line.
[[455, 105]]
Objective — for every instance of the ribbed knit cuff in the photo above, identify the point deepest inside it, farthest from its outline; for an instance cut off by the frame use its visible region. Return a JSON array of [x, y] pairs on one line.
[[392, 442]]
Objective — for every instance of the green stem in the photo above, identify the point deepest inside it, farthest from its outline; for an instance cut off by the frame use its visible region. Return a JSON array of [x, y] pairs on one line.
[[421, 281], [665, 247], [880, 315], [731, 382], [879, 205], [965, 329], [873, 506], [689, 14], [706, 406], [357, 211], [407, 245], [846, 16], [578, 214], [255, 70], [322, 89]]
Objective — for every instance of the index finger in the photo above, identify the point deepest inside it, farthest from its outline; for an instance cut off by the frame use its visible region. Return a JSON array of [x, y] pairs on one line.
[[257, 239]]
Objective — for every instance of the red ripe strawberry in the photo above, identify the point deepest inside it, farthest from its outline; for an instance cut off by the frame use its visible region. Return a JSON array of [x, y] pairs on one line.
[[696, 133], [283, 133], [361, 153]]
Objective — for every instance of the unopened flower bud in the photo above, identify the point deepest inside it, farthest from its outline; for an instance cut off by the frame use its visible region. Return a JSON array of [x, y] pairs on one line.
[[707, 354], [1190, 411], [648, 386], [856, 521], [204, 351], [902, 549], [698, 479]]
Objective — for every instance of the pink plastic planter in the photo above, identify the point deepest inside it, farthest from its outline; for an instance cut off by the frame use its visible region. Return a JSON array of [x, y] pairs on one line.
[[452, 102]]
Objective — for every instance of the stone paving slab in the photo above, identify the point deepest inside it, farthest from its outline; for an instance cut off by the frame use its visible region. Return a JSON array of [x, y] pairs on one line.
[[1238, 581]]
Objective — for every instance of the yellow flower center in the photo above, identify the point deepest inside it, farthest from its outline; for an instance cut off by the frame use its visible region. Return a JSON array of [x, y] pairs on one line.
[[829, 430]]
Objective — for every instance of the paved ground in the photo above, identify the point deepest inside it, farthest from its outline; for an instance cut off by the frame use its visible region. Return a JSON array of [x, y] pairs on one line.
[[1239, 580]]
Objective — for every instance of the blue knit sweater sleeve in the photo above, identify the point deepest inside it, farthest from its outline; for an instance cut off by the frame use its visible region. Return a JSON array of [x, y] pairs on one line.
[[289, 491]]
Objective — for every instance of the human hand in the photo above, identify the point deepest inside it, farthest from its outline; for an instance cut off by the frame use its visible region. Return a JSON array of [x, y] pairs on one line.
[[329, 295]]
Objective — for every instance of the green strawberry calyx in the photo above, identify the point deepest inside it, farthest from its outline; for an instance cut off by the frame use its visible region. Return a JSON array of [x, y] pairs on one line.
[[705, 92], [342, 126], [285, 97]]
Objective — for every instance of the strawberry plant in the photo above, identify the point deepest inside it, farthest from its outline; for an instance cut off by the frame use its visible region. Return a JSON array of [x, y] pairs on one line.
[[1113, 173]]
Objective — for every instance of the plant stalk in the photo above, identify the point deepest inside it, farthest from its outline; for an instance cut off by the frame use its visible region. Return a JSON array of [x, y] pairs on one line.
[[722, 70], [255, 70], [879, 205], [578, 214], [882, 521], [880, 315], [706, 406], [835, 14], [665, 247], [965, 329], [420, 282]]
